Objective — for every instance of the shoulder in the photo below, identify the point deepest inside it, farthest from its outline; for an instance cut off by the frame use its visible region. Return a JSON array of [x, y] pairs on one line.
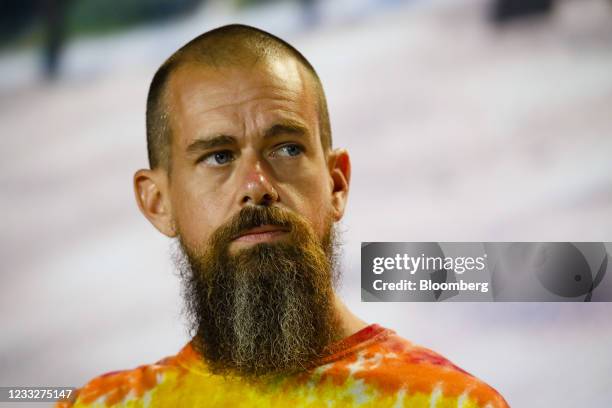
[[424, 372], [119, 387], [442, 377]]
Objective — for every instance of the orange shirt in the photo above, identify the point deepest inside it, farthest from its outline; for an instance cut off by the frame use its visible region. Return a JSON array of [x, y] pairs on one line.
[[372, 368]]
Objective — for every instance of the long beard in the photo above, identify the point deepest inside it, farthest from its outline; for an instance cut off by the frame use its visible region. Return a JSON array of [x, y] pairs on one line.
[[266, 309]]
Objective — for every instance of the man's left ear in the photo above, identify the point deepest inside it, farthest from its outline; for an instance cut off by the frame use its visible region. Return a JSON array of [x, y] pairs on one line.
[[340, 171]]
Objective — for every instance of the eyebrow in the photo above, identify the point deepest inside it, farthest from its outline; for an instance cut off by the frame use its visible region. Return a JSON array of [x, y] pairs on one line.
[[210, 143], [287, 127]]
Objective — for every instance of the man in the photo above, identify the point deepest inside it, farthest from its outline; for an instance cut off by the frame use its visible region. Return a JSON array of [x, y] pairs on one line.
[[243, 174]]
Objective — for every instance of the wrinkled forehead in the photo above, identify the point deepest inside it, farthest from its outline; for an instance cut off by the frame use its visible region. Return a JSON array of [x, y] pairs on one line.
[[201, 93], [214, 84]]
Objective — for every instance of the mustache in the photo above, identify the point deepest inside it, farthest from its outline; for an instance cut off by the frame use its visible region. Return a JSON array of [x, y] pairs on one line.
[[254, 216]]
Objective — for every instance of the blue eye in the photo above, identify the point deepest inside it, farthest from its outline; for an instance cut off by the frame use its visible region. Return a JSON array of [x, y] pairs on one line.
[[218, 158], [290, 150]]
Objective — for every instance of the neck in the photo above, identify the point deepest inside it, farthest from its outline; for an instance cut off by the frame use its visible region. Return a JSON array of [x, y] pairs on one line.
[[348, 321]]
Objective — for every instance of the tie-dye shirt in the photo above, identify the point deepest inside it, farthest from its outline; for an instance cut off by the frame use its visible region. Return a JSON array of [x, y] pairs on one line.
[[371, 368]]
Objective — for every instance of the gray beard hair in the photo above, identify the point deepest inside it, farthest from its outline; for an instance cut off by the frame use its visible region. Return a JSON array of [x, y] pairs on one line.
[[290, 329], [264, 311]]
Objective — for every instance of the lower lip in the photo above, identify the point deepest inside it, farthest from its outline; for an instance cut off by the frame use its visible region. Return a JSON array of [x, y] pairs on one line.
[[260, 237]]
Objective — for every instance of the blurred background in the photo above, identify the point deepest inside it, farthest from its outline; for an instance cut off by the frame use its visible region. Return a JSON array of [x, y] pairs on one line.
[[467, 120]]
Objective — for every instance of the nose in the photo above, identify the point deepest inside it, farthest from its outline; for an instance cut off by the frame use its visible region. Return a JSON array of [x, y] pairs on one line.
[[258, 190]]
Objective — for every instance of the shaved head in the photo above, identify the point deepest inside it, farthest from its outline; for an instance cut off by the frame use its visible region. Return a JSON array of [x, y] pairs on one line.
[[231, 46]]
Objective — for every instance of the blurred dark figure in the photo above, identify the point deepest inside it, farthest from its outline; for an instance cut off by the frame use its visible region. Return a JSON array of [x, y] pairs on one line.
[[15, 17], [54, 15], [60, 20], [310, 13], [509, 10]]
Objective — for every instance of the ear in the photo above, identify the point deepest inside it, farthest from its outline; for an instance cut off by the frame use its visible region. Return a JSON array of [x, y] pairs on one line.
[[152, 196], [340, 172]]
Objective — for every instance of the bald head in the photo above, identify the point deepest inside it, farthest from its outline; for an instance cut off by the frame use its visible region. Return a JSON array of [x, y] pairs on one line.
[[227, 47]]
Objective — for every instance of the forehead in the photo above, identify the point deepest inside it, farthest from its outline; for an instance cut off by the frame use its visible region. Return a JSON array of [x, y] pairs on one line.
[[203, 98]]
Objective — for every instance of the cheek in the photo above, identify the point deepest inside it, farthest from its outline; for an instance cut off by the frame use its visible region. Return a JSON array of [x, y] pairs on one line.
[[311, 199], [195, 215]]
